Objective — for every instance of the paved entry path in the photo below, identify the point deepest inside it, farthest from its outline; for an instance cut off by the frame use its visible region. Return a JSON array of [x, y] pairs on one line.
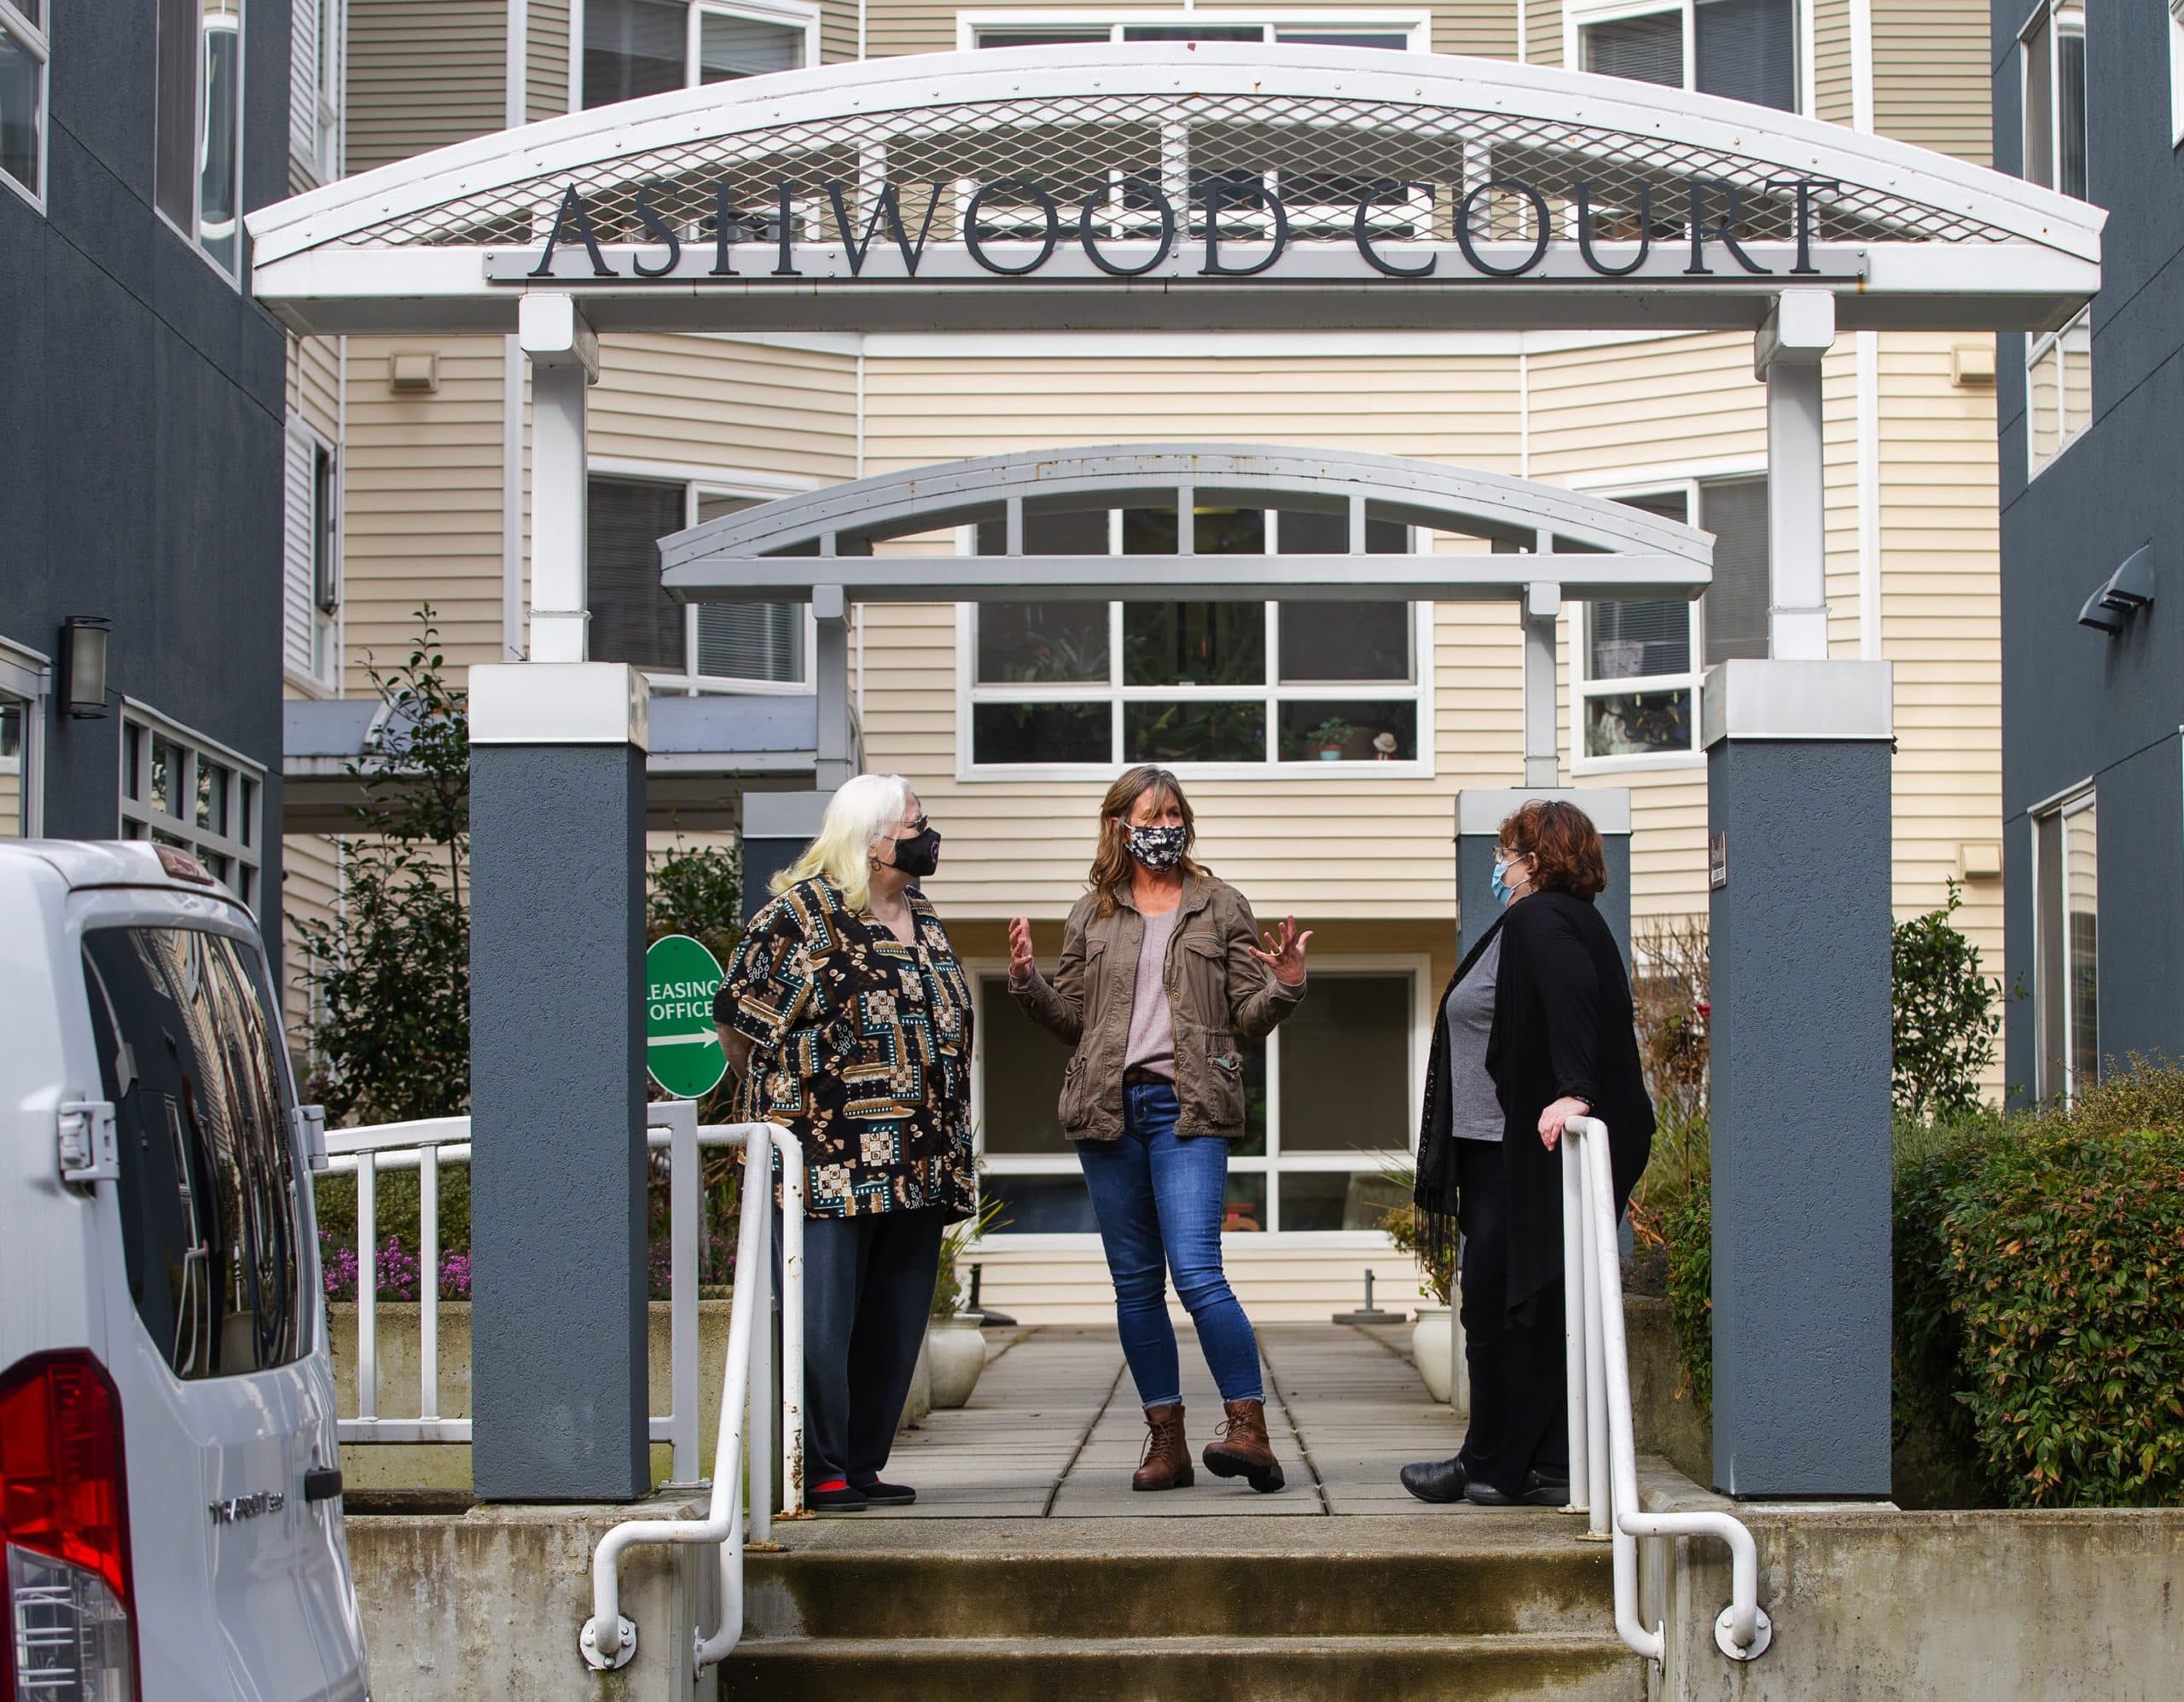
[[1054, 1431]]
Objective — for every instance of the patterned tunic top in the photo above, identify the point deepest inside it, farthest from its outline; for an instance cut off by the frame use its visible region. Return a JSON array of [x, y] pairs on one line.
[[861, 1047]]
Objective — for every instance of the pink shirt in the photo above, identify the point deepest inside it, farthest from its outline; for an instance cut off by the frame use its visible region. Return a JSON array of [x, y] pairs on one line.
[[1151, 1023]]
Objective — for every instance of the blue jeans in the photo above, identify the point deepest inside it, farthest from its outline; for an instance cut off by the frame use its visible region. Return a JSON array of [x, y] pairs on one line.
[[1159, 1198]]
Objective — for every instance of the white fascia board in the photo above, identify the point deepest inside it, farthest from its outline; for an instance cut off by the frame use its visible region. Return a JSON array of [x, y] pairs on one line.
[[1483, 810], [1814, 699], [559, 703], [1769, 140]]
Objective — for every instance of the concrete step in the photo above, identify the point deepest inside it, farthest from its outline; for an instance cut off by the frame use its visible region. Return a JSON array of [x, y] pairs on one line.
[[1549, 1585], [1564, 1668]]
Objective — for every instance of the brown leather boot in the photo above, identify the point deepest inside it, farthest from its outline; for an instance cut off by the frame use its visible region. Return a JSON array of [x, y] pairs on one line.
[[1167, 1462], [1241, 1449]]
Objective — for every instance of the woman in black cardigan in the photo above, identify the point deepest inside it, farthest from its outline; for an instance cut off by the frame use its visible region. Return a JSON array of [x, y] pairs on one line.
[[1562, 1045]]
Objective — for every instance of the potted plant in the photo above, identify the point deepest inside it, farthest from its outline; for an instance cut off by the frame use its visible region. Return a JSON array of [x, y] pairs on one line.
[[1329, 739], [955, 1347], [1436, 1340]]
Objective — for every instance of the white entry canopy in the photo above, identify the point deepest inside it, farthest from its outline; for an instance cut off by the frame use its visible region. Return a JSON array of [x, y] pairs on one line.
[[1151, 187]]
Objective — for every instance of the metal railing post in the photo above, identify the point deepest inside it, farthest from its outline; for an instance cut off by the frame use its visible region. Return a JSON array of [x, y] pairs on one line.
[[685, 1199], [1575, 1352], [792, 1206], [1601, 1506], [759, 1452], [429, 1283], [367, 1287]]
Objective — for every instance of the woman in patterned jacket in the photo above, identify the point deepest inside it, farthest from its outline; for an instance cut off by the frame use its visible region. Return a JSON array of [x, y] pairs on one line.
[[847, 1019]]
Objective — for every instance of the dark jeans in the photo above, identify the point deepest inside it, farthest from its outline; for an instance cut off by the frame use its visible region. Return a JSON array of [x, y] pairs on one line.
[[1520, 1408], [867, 1291], [1159, 1198]]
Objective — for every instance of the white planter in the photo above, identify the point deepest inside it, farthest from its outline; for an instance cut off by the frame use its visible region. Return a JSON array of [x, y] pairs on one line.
[[956, 1349], [1433, 1350], [921, 1399]]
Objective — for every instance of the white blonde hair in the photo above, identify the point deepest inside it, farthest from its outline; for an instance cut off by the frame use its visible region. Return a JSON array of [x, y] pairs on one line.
[[866, 808]]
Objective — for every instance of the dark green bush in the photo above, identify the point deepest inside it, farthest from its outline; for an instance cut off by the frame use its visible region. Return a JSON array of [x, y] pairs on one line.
[[1944, 1015]]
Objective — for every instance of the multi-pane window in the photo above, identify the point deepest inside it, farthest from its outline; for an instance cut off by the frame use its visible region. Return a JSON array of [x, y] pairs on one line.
[[1640, 662], [2057, 389], [318, 33], [197, 168], [1396, 32], [1067, 683], [22, 697], [646, 47], [311, 600], [2054, 41], [1740, 50], [23, 53], [1330, 1100], [744, 646], [2067, 945], [2176, 72], [180, 791]]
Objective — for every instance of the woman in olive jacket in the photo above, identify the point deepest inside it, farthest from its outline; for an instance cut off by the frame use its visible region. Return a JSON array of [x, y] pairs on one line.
[[1161, 970], [1562, 1044]]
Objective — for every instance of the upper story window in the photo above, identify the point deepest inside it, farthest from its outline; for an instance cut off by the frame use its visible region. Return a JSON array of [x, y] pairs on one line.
[[1740, 50], [646, 47], [1398, 32], [2055, 97], [742, 647], [1067, 685], [2066, 944], [24, 681], [197, 167], [23, 55], [1641, 663], [2057, 390], [178, 789], [311, 603], [2176, 72], [318, 33]]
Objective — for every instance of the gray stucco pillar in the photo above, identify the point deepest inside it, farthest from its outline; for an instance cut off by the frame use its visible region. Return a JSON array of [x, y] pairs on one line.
[[1797, 759], [1480, 813], [558, 1328]]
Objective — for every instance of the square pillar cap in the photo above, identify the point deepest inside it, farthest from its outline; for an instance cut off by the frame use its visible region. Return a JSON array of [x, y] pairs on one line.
[[1481, 810], [559, 703], [1770, 699], [784, 815]]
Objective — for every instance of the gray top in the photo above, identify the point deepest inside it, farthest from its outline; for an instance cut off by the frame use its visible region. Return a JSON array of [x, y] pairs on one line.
[[1474, 1106], [1151, 1023]]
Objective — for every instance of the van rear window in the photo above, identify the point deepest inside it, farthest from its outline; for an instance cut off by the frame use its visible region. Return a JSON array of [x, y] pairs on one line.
[[211, 1217]]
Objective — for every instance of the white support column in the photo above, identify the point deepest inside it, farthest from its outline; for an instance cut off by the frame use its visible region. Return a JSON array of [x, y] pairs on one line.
[[1786, 355], [563, 356], [830, 679], [1543, 605]]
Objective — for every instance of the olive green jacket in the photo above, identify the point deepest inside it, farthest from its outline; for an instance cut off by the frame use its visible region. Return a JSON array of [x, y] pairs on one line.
[[1216, 991]]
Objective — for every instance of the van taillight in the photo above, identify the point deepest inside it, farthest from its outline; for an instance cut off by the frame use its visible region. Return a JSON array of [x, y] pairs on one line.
[[64, 1528]]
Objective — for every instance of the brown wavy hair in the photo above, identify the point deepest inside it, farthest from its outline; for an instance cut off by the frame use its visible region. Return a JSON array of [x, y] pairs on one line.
[[1563, 844], [1111, 860]]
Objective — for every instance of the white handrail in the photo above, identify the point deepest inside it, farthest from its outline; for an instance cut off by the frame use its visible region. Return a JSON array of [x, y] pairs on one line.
[[609, 1640], [1603, 1455]]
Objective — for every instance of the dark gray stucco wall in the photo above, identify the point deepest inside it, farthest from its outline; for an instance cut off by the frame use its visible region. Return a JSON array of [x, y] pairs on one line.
[[1476, 907], [2078, 705], [141, 422], [1801, 1129], [558, 1341]]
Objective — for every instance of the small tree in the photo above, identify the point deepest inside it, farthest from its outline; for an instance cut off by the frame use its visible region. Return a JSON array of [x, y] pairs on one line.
[[389, 973], [1944, 1016]]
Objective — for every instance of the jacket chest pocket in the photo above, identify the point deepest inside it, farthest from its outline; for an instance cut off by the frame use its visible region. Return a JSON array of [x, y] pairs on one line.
[[1201, 987]]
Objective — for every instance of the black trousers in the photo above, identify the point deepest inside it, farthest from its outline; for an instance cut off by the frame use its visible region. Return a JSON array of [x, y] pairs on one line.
[[867, 1291], [1519, 1405]]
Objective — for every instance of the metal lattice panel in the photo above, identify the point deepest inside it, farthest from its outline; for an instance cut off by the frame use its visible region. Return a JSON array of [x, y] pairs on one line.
[[1414, 163]]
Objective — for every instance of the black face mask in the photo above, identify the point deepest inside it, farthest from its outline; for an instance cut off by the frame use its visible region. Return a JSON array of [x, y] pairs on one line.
[[919, 855]]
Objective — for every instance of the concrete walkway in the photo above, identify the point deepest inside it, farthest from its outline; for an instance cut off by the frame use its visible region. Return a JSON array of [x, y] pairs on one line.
[[1054, 1431]]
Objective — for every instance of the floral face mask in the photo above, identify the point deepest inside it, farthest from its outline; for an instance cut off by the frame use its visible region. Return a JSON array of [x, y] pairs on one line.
[[1158, 848]]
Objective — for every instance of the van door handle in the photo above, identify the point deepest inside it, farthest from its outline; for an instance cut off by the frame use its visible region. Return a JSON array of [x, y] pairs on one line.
[[323, 1483]]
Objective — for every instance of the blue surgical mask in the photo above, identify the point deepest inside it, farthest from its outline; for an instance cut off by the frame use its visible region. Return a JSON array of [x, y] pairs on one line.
[[1501, 887]]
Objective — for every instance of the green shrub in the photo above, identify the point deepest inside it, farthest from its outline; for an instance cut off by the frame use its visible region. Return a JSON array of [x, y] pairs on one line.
[[1688, 1232], [1942, 1015]]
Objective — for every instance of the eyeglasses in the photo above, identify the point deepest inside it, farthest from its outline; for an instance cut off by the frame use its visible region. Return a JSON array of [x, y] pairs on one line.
[[917, 827]]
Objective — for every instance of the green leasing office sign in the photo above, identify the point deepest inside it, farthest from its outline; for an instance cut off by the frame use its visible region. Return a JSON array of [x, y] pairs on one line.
[[681, 1049]]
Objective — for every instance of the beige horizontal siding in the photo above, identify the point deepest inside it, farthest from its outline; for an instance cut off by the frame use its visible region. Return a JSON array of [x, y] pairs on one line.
[[1484, 27], [708, 402], [310, 890], [1933, 76], [314, 384], [837, 31], [546, 58], [1487, 28], [423, 74], [1543, 31], [1834, 96]]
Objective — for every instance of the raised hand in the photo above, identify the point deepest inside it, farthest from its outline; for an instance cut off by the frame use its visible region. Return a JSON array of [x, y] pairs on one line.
[[1022, 965], [1285, 952]]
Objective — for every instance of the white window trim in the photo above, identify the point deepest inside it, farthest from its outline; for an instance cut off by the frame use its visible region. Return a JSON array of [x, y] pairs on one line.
[[27, 676], [969, 692], [2176, 73], [194, 238], [711, 481], [41, 48], [1417, 26], [1645, 482], [329, 80], [241, 853], [1274, 1163], [791, 14], [1577, 14], [2049, 15], [334, 627], [2037, 349], [2084, 795]]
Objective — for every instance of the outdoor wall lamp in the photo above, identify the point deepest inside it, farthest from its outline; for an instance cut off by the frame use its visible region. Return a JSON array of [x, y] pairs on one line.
[[2129, 588], [82, 661]]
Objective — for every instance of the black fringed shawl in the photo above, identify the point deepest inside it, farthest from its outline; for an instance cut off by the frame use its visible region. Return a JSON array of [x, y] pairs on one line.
[[1434, 1195]]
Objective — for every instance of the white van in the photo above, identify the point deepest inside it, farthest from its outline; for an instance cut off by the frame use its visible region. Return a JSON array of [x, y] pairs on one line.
[[170, 1494]]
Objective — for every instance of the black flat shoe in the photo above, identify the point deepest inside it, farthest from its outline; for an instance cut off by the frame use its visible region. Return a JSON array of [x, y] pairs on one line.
[[887, 1495], [1435, 1480], [1538, 1492], [845, 1500]]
